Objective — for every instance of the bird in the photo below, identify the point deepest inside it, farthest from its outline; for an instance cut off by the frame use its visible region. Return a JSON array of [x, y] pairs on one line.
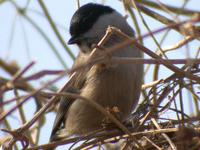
[[111, 86]]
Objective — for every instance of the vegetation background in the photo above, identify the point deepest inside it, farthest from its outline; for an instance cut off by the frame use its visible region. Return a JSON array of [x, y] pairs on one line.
[[33, 53]]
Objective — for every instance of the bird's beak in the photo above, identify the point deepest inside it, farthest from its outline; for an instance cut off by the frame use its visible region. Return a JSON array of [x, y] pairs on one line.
[[73, 40]]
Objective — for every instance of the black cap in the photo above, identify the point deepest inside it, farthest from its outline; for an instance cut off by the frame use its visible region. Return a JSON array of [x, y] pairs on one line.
[[84, 18]]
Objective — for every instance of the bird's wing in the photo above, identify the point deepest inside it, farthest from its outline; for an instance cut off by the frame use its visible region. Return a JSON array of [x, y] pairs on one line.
[[66, 102], [64, 105]]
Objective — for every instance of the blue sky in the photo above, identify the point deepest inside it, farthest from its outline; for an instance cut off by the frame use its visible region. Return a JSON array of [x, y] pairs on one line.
[[27, 44]]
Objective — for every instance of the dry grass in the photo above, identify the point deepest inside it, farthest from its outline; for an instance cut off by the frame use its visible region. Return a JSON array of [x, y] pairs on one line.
[[163, 120]]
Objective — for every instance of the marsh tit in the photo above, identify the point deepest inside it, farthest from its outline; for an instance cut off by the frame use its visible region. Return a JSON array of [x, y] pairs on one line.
[[115, 86]]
